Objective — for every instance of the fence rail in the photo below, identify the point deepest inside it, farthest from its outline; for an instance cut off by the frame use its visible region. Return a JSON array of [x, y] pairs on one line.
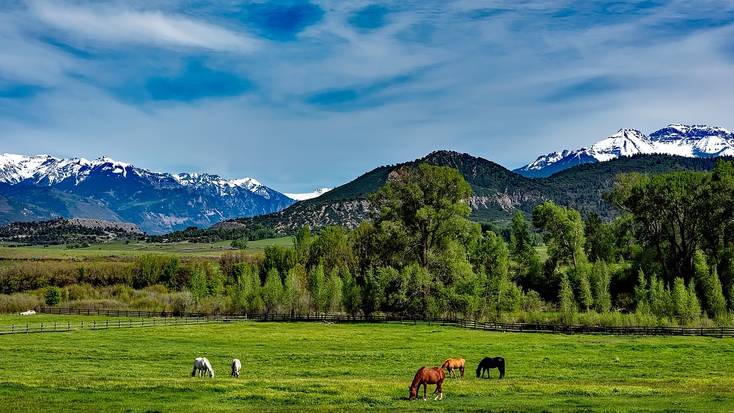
[[156, 319]]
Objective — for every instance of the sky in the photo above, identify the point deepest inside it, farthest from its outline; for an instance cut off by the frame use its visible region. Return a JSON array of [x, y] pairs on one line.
[[309, 94]]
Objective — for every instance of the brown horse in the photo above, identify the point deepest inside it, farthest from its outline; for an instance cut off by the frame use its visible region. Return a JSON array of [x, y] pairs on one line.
[[426, 376], [452, 364]]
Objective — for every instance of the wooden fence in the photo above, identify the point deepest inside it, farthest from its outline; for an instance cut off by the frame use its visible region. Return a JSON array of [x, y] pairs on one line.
[[137, 318]]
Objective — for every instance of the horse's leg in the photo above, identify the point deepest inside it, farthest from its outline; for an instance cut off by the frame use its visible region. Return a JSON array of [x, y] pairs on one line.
[[462, 371]]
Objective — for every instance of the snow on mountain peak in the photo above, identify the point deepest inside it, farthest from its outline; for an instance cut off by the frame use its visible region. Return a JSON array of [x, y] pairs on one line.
[[47, 170], [674, 139]]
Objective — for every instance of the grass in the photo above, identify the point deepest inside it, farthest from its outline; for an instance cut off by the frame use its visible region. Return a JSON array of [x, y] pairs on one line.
[[316, 367], [123, 250]]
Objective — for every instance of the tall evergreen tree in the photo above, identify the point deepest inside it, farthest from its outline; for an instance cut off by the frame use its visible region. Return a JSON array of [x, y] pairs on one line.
[[694, 307], [710, 285], [600, 280], [642, 294]]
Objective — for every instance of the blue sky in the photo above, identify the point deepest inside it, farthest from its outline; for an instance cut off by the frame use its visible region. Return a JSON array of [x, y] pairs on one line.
[[304, 94]]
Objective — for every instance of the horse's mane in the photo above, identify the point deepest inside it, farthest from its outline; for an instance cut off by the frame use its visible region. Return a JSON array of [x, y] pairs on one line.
[[418, 377]]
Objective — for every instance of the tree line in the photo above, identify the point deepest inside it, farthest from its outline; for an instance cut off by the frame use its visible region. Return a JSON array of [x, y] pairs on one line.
[[667, 259]]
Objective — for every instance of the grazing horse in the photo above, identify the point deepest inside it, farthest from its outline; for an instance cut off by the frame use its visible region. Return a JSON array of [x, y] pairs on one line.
[[426, 376], [202, 367], [488, 363], [236, 366], [452, 364]]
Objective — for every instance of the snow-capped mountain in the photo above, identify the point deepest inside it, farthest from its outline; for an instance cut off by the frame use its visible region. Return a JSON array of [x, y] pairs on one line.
[[683, 140], [43, 187], [308, 195]]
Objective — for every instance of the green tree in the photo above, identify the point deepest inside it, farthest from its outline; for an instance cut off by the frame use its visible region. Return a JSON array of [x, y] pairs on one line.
[[281, 258], [318, 289], [642, 294], [302, 244], [294, 290], [679, 297], [563, 232], [708, 280], [198, 284], [600, 280], [491, 256], [427, 204], [600, 240], [272, 291], [351, 293], [585, 293], [239, 243], [334, 291], [373, 293], [672, 214], [52, 296], [566, 302], [521, 242], [660, 299], [694, 307], [332, 248]]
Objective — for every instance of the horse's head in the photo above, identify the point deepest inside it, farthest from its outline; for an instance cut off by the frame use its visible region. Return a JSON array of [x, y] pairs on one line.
[[413, 393]]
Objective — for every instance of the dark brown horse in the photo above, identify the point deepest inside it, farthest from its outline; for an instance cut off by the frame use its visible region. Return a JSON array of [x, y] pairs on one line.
[[488, 363], [426, 376]]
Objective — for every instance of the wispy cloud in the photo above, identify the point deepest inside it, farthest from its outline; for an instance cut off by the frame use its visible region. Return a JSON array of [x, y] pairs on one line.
[[112, 24], [290, 91]]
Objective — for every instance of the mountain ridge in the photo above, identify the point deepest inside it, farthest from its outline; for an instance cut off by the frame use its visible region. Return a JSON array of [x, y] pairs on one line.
[[497, 192], [695, 141], [41, 187]]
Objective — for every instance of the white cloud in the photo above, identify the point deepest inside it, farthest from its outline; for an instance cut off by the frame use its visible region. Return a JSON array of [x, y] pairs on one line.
[[132, 26]]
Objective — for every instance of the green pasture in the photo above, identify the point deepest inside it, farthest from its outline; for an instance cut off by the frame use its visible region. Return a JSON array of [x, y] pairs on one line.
[[319, 367], [133, 249]]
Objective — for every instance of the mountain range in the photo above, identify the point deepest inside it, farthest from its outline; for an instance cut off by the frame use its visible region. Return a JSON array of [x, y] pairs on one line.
[[695, 141], [44, 187], [498, 193]]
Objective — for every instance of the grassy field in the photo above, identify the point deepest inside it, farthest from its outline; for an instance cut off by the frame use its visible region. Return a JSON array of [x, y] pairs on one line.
[[299, 366], [122, 250]]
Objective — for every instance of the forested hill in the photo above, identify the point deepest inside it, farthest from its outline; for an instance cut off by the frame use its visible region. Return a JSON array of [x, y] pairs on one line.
[[582, 187], [69, 231], [497, 191]]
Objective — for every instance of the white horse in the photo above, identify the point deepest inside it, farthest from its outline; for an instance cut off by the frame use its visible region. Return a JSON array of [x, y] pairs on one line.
[[29, 312], [202, 367], [236, 367]]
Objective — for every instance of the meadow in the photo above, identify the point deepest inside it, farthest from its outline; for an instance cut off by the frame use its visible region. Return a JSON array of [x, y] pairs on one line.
[[122, 250], [319, 367]]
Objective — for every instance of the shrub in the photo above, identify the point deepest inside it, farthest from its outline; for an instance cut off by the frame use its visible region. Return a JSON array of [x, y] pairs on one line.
[[14, 303], [52, 296]]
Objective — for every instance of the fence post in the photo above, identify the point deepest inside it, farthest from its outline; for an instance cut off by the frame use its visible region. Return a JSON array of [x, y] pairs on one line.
[[42, 327]]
